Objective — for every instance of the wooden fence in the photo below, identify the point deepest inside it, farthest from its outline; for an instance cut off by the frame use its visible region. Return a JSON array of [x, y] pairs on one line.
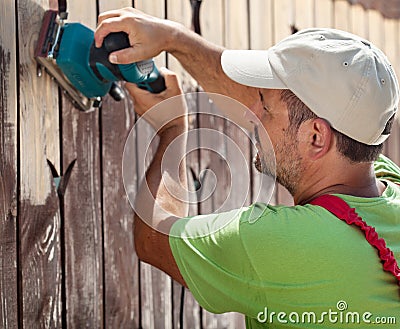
[[66, 251]]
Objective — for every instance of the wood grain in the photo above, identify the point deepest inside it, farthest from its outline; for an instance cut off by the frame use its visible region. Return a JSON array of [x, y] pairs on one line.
[[121, 271], [341, 14], [391, 49], [156, 286], [323, 13], [283, 19], [39, 215], [83, 230], [71, 262], [304, 14], [8, 168], [358, 21], [83, 219], [261, 29]]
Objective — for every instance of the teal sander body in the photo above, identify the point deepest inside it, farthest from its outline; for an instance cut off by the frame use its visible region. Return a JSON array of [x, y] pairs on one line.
[[77, 52], [73, 58], [83, 71]]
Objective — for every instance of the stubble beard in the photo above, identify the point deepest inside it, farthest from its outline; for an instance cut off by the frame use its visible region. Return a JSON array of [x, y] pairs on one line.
[[288, 169]]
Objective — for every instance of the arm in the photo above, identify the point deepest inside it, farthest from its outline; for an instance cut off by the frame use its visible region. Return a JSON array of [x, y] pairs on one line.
[[159, 199], [150, 35]]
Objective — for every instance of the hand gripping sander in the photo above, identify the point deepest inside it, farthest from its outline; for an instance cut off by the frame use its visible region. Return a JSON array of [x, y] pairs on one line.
[[68, 53]]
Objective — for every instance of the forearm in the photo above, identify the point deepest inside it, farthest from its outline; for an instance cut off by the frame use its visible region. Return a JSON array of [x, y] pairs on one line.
[[157, 209], [202, 60], [162, 193]]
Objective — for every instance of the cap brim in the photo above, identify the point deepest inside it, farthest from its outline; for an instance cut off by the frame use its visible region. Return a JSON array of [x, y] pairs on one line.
[[251, 68]]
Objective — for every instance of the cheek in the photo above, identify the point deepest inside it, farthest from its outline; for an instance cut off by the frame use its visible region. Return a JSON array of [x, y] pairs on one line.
[[275, 135]]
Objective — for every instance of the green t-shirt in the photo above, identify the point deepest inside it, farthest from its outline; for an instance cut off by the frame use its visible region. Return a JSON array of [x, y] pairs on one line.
[[295, 267]]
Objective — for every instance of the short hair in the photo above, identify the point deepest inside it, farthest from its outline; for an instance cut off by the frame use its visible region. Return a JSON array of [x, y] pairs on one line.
[[353, 150]]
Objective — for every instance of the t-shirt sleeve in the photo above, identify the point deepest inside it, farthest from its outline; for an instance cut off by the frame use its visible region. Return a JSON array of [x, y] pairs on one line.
[[387, 169], [212, 260]]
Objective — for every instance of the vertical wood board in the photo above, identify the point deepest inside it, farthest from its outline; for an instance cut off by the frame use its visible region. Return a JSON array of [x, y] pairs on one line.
[[304, 13], [121, 294], [156, 286], [39, 217], [358, 21], [261, 29], [8, 168], [323, 13], [83, 231], [341, 15]]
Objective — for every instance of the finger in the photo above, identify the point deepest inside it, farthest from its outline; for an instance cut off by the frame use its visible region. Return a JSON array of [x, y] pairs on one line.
[[117, 13], [108, 14], [113, 24]]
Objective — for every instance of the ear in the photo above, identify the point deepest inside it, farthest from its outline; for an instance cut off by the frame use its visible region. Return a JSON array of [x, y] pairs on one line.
[[319, 139]]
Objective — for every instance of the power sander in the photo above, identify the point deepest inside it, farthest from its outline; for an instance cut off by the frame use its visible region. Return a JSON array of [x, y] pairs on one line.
[[68, 53]]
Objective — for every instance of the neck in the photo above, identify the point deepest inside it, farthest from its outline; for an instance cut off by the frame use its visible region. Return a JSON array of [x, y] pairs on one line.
[[346, 178]]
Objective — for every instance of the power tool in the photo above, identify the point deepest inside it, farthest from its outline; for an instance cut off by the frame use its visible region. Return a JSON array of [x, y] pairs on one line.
[[68, 53]]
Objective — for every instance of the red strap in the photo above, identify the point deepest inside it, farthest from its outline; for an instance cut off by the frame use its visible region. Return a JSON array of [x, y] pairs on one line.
[[343, 211]]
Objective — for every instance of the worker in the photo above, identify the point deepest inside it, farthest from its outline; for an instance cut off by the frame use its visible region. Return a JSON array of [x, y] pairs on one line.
[[327, 100]]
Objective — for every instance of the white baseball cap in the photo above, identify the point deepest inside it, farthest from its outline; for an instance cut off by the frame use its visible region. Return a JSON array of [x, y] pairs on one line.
[[341, 77]]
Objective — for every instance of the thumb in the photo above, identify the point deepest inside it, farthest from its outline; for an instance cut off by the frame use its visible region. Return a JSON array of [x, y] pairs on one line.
[[171, 79], [135, 91]]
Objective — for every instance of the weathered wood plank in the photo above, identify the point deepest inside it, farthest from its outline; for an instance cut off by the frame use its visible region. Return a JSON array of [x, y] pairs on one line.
[[391, 49], [156, 287], [121, 273], [211, 21], [82, 207], [304, 14], [283, 19], [341, 14], [358, 21], [236, 24], [323, 13], [8, 168], [375, 28], [39, 214], [180, 11], [261, 24]]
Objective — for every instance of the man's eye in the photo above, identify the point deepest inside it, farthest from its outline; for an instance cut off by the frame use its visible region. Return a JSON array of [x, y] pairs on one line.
[[262, 101], [261, 97]]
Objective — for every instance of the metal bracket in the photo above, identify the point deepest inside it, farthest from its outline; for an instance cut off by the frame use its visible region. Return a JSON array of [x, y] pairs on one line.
[[61, 181]]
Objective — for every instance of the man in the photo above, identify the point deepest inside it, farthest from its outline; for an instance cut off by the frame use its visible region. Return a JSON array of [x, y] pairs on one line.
[[327, 100]]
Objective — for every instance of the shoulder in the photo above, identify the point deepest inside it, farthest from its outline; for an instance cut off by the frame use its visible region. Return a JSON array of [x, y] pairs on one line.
[[387, 169], [264, 214]]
